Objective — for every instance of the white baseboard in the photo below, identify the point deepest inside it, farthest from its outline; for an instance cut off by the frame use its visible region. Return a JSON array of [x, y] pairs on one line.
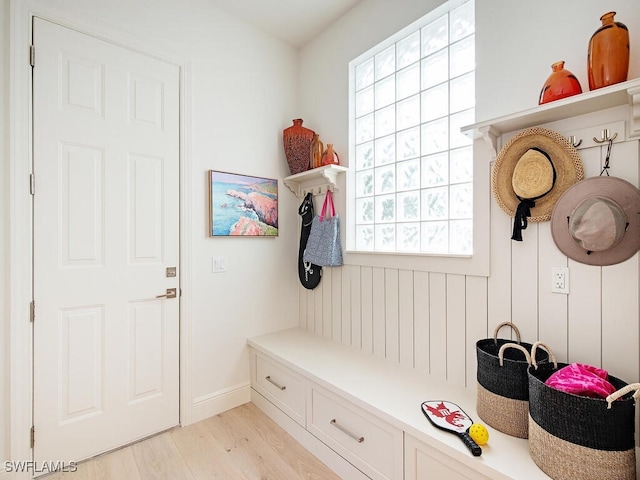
[[218, 402], [331, 459]]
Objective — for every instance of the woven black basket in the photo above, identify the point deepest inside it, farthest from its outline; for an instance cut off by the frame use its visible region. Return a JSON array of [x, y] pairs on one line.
[[503, 387], [576, 437]]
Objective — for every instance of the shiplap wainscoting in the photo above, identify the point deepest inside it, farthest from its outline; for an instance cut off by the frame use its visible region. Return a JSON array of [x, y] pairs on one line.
[[430, 321], [427, 321]]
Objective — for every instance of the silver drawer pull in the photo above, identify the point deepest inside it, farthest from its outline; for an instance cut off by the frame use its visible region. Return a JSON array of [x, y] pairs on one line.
[[344, 430], [268, 379]]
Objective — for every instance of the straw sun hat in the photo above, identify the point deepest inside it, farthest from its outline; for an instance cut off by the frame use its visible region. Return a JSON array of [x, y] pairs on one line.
[[597, 221], [531, 172]]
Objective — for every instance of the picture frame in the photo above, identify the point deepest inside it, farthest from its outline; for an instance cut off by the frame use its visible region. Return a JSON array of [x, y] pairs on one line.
[[242, 205]]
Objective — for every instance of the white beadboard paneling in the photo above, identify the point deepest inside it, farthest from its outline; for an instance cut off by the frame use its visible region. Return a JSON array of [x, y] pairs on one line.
[[346, 304], [584, 302], [499, 282], [317, 307], [336, 304], [379, 327], [620, 313], [438, 325], [356, 316], [620, 287], [366, 284], [302, 306], [456, 330], [405, 317], [552, 307], [524, 286], [391, 314], [585, 314], [421, 321], [477, 323], [327, 287]]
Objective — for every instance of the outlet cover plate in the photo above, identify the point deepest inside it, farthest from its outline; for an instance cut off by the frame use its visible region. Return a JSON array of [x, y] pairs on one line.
[[560, 280]]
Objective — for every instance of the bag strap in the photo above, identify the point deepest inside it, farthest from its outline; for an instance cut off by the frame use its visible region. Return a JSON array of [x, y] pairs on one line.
[[328, 202], [552, 357], [617, 394], [513, 345], [503, 324], [324, 206]]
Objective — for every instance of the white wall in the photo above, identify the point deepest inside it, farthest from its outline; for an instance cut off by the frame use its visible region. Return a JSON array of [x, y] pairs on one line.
[[240, 94], [4, 184], [517, 42], [430, 320]]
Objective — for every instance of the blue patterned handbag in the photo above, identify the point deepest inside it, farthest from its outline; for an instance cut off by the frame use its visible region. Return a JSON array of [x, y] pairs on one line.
[[323, 246]]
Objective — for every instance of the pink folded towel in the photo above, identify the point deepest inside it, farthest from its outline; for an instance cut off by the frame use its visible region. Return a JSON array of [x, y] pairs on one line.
[[581, 379]]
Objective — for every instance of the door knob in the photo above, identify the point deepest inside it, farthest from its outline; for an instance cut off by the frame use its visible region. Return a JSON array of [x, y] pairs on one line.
[[171, 293]]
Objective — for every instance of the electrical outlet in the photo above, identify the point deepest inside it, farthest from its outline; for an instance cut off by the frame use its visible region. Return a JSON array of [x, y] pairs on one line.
[[560, 280]]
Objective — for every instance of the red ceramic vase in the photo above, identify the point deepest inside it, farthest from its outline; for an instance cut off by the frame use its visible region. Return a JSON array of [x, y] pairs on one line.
[[560, 84], [608, 55], [297, 144], [329, 156]]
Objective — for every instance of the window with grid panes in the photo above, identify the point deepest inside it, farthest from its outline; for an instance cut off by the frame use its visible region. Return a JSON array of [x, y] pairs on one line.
[[412, 189]]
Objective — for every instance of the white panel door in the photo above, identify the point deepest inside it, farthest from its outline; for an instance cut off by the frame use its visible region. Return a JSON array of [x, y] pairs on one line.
[[106, 227]]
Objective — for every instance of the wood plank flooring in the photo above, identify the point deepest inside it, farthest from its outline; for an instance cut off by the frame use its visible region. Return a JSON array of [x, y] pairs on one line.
[[242, 443]]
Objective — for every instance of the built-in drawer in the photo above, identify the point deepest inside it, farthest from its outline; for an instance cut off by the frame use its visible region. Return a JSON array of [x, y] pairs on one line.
[[280, 385], [372, 445], [422, 461]]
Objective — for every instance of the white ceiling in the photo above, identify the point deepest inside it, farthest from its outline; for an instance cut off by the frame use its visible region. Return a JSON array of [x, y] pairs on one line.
[[294, 21]]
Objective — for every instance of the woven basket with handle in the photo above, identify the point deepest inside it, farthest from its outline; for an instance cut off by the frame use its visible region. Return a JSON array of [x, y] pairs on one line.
[[576, 437], [503, 387]]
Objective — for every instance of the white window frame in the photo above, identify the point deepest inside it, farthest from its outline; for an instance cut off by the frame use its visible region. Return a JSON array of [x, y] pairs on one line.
[[475, 264]]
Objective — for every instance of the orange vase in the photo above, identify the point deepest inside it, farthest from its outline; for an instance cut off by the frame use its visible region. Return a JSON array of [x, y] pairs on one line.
[[560, 84], [297, 142], [608, 55], [330, 156], [316, 151]]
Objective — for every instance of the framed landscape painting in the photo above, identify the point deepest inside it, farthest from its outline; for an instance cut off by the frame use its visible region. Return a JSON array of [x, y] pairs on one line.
[[242, 205]]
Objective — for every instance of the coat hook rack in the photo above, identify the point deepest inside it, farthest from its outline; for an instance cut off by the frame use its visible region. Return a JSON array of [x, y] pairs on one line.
[[317, 190], [572, 139], [604, 136]]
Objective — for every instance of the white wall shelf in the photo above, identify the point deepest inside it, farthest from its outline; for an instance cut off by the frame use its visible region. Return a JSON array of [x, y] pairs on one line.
[[317, 180], [625, 93]]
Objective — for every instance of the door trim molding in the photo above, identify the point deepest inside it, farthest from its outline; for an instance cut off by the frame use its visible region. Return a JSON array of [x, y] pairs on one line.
[[19, 255], [20, 209]]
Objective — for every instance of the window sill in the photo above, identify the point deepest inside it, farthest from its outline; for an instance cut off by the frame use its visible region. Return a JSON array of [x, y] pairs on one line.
[[474, 265]]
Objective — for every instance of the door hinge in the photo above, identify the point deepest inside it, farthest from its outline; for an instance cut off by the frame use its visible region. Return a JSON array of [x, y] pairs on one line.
[[180, 292], [32, 55], [32, 436], [32, 184], [32, 311]]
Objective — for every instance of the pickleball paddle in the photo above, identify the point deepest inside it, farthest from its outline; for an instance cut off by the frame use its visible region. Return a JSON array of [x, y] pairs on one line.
[[450, 417]]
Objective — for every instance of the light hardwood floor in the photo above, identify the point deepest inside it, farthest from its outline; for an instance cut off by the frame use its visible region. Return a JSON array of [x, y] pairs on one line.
[[242, 443]]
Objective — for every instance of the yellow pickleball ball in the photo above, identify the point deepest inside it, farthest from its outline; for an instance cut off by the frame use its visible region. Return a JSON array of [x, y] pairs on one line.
[[479, 433]]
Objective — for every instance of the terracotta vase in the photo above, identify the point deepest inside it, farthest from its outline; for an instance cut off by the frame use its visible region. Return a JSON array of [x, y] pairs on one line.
[[297, 143], [329, 156], [560, 84], [316, 151], [608, 56]]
